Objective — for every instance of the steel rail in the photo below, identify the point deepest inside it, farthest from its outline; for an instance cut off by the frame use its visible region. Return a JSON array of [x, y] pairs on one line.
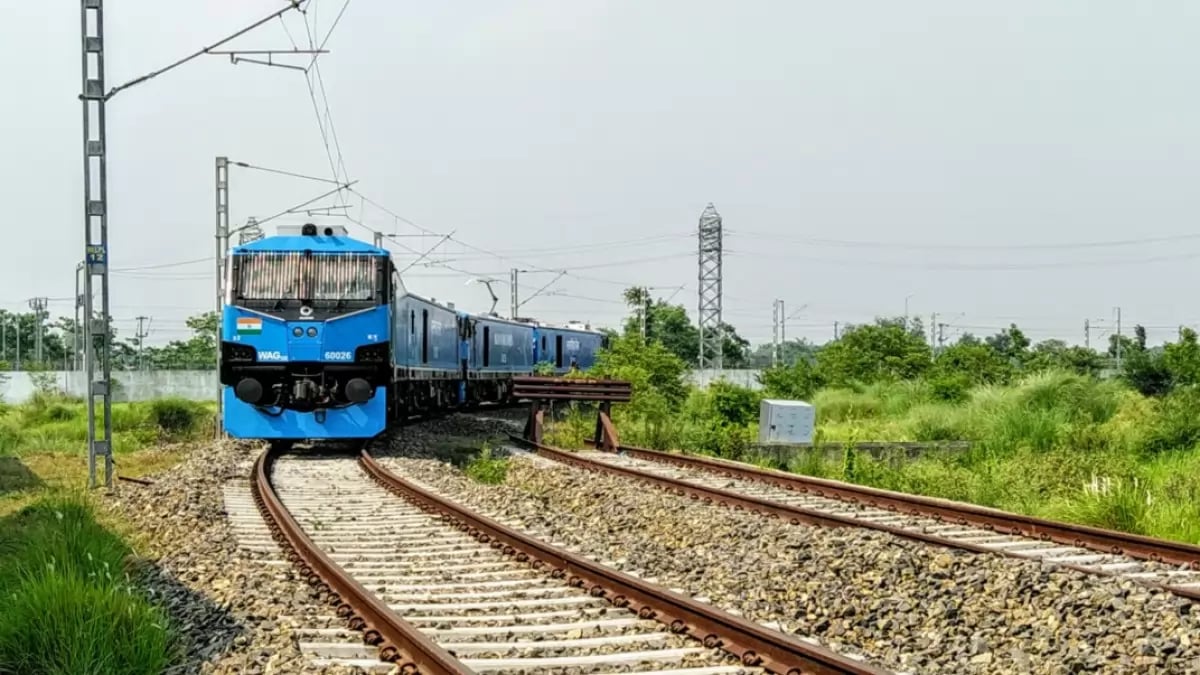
[[1002, 523], [800, 514], [755, 645], [398, 641], [1015, 524]]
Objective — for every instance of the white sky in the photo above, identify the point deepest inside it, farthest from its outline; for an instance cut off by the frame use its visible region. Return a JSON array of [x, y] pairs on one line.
[[944, 135]]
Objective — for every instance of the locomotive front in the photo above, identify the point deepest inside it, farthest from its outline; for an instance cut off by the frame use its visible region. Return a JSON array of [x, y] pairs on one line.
[[304, 341]]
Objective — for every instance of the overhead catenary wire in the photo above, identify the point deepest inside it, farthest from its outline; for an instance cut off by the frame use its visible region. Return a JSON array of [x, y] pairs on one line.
[[943, 246]]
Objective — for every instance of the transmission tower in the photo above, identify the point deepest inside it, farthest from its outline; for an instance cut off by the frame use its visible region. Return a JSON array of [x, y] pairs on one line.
[[710, 288]]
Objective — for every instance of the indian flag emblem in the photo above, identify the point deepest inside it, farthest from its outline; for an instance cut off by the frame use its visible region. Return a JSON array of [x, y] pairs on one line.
[[248, 325]]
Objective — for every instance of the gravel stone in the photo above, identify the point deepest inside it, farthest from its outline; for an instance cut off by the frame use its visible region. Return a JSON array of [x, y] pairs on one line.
[[227, 606], [904, 605]]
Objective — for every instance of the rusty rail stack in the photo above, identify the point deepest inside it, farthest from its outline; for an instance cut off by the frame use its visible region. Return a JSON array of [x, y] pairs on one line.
[[542, 390]]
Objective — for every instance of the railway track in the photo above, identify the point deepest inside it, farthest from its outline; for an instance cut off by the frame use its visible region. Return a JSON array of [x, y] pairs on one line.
[[435, 588], [1170, 565]]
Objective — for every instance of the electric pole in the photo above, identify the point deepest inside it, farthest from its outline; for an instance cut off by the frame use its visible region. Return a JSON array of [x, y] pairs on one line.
[[515, 273], [777, 321], [835, 330], [932, 330], [97, 331], [1087, 334], [38, 305], [941, 335], [1118, 338], [141, 338], [645, 314]]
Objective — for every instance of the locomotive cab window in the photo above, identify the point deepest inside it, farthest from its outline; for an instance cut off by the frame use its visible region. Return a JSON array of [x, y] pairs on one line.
[[487, 346], [281, 280]]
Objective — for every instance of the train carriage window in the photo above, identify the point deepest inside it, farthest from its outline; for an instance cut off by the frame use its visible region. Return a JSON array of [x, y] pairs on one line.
[[543, 344], [558, 351], [487, 346], [424, 336], [412, 322]]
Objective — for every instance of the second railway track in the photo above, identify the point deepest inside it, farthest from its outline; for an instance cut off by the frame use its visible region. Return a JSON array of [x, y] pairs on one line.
[[1170, 565], [462, 594]]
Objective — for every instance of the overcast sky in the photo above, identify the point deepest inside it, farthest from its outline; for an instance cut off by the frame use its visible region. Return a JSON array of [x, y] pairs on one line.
[[981, 158]]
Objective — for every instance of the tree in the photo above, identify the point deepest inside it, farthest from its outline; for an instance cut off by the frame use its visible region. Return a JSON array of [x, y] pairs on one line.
[[790, 351], [1182, 359], [799, 381], [1057, 355], [196, 353], [976, 363], [1010, 344], [735, 349], [885, 350]]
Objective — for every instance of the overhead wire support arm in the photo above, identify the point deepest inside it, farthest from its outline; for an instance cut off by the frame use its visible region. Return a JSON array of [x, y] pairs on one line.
[[444, 239], [293, 4], [538, 292], [281, 172]]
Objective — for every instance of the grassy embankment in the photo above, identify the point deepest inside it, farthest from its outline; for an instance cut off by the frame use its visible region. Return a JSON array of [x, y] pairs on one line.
[[70, 605], [1054, 445]]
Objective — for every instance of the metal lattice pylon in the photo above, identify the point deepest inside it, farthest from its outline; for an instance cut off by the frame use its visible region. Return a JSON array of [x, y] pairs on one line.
[[710, 288]]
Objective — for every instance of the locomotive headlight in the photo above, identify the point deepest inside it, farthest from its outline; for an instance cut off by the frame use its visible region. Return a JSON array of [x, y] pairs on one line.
[[312, 331], [297, 331]]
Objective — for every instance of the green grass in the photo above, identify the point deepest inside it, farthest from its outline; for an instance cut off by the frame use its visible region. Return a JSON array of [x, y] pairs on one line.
[[55, 424], [486, 468], [69, 606], [1053, 445]]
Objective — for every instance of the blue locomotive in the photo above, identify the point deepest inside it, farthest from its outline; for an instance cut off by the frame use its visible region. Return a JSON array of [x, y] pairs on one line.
[[320, 340]]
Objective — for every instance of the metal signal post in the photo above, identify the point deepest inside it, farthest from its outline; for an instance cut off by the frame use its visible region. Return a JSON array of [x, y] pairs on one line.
[[95, 201]]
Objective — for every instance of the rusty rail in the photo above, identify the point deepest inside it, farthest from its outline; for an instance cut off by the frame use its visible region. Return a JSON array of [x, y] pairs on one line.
[[398, 641], [1083, 536], [798, 514], [755, 645]]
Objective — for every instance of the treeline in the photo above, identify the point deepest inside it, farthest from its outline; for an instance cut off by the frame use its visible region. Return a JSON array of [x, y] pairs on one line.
[[61, 336], [895, 349]]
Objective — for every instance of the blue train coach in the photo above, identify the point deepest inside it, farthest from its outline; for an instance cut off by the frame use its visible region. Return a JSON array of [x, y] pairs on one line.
[[305, 337], [566, 348]]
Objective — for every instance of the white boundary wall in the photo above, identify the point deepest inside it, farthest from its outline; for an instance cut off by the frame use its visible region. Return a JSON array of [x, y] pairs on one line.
[[201, 385]]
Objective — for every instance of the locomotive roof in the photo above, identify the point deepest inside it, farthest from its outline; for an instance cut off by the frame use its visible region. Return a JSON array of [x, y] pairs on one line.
[[317, 244]]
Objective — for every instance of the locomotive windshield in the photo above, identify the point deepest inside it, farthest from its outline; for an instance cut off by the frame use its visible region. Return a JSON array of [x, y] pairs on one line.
[[318, 277]]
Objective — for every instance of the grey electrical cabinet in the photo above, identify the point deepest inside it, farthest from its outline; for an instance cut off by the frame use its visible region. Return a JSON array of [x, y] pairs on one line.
[[786, 422]]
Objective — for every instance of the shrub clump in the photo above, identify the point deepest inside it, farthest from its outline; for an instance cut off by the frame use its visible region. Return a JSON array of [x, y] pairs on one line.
[[487, 469]]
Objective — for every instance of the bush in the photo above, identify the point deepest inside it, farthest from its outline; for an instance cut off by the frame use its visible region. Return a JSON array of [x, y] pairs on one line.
[[176, 417], [952, 387], [1177, 425], [487, 469]]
